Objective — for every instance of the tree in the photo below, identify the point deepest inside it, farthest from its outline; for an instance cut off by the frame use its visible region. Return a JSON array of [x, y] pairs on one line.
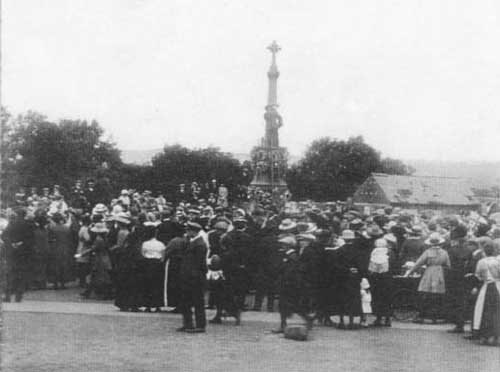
[[395, 166], [42, 153], [178, 164], [332, 169]]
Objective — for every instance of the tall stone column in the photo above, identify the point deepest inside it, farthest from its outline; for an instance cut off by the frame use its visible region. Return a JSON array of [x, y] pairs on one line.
[[269, 159]]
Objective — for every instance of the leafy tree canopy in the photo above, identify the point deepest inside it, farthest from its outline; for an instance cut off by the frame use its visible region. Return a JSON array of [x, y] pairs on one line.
[[37, 152], [333, 169]]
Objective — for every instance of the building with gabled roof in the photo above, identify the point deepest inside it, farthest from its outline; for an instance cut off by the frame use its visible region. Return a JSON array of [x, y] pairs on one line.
[[418, 192]]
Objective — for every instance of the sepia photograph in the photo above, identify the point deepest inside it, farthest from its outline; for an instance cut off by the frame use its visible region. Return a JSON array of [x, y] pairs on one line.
[[219, 186]]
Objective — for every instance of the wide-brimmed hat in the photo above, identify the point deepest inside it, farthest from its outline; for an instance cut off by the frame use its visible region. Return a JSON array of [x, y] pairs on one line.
[[348, 235], [99, 227], [494, 233], [287, 224], [221, 225], [374, 231], [435, 239], [388, 226], [100, 209], [288, 240], [307, 237], [356, 222], [122, 217], [391, 238], [306, 227], [417, 230], [240, 220]]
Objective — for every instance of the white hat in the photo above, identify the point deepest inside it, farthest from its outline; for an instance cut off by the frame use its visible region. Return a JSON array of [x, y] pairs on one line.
[[122, 217], [99, 227], [348, 235], [287, 225], [308, 237], [435, 239], [124, 192], [288, 240], [391, 238]]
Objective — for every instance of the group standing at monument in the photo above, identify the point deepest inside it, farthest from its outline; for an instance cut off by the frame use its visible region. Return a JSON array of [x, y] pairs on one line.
[[331, 264]]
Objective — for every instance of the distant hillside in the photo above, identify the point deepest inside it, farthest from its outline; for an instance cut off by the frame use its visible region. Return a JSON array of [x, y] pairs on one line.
[[482, 172]]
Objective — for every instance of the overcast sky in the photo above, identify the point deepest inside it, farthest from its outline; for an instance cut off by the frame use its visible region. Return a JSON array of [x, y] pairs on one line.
[[418, 79]]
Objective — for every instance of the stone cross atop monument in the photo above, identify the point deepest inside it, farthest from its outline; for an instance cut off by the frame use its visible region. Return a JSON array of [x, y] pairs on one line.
[[273, 74]]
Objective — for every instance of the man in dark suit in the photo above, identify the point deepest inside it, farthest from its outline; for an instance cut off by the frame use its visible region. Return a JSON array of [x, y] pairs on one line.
[[192, 277], [19, 244], [168, 228], [237, 247]]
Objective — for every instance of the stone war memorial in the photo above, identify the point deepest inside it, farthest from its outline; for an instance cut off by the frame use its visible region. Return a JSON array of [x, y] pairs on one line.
[[269, 159]]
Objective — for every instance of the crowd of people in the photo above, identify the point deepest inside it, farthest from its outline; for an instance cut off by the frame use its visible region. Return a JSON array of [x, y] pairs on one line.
[[323, 262]]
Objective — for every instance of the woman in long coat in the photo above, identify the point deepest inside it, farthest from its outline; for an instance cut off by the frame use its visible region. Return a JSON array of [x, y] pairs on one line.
[[40, 253], [129, 278], [486, 320], [61, 251], [432, 284], [126, 258]]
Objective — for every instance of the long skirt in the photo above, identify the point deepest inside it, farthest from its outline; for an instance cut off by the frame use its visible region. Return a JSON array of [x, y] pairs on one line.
[[350, 295], [487, 311], [332, 296], [382, 292], [153, 278], [128, 290], [100, 275]]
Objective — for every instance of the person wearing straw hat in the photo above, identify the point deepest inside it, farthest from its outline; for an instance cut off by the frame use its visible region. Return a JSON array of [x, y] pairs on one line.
[[100, 276], [432, 284], [349, 279], [290, 287], [287, 227]]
